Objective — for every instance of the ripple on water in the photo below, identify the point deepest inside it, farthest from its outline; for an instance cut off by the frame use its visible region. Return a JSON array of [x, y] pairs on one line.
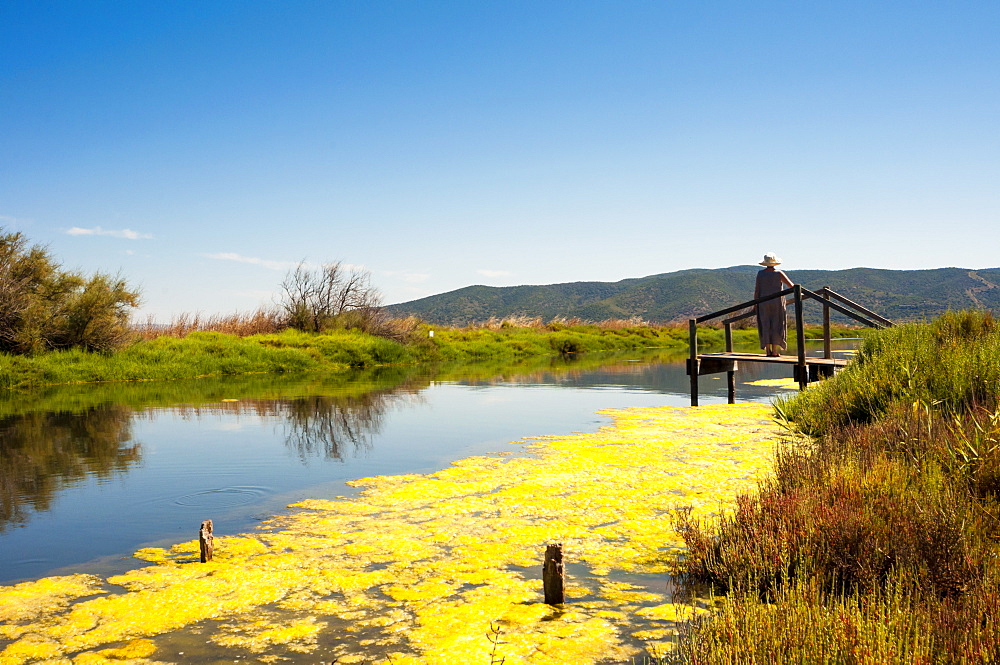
[[222, 497]]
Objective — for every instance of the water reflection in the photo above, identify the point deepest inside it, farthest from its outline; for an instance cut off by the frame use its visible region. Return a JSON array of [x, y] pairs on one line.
[[61, 436], [43, 453], [332, 427], [334, 420], [240, 449]]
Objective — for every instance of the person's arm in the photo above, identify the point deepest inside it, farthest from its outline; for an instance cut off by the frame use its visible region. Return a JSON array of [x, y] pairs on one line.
[[756, 288], [784, 279]]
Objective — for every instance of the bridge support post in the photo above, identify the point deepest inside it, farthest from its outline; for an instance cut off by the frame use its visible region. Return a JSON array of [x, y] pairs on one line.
[[800, 338], [730, 375], [693, 360], [827, 348]]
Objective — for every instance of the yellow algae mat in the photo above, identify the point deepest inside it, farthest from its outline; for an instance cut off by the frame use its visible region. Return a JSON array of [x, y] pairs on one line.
[[427, 569], [789, 383]]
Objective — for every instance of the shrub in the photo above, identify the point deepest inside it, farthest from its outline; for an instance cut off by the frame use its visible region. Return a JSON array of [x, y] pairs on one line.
[[876, 540], [329, 297], [43, 307]]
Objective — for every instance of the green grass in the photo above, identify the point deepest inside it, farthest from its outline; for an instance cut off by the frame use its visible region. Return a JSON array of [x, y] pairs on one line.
[[201, 354], [876, 540], [511, 342], [951, 361], [204, 354], [358, 382], [807, 624]]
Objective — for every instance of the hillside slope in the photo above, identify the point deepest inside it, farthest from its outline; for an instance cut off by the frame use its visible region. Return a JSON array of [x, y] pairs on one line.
[[896, 294]]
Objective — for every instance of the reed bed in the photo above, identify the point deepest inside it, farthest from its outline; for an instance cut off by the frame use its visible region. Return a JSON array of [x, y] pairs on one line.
[[876, 539], [808, 624], [559, 322], [192, 345], [188, 352], [951, 363], [241, 324]]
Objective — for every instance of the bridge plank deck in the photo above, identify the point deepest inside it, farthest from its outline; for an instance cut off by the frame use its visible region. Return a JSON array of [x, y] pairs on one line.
[[784, 360]]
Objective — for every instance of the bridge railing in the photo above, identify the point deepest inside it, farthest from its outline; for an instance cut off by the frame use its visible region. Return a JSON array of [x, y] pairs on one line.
[[831, 300]]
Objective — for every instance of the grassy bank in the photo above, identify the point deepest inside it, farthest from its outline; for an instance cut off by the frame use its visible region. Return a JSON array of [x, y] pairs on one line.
[[202, 354], [877, 541], [355, 383]]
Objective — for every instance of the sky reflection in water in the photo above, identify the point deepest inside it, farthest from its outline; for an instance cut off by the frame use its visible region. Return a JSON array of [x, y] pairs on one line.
[[99, 476]]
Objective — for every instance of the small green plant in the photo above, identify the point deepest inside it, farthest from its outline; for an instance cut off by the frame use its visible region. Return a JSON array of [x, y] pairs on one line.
[[974, 440]]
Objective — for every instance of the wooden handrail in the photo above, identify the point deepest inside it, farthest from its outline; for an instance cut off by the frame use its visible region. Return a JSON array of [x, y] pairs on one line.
[[827, 348], [875, 321], [736, 308], [693, 360], [864, 310], [807, 294], [744, 315], [800, 293]]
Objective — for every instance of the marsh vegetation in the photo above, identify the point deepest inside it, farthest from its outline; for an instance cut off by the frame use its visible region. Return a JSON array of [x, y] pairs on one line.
[[189, 348], [876, 541], [59, 327]]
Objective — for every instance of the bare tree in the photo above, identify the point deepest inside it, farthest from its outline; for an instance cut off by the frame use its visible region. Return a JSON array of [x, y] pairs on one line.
[[316, 299]]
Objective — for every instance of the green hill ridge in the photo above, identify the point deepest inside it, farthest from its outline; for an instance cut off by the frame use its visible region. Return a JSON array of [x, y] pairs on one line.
[[897, 294]]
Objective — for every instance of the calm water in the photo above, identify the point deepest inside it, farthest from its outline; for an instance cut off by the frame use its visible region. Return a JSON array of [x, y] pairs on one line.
[[89, 474]]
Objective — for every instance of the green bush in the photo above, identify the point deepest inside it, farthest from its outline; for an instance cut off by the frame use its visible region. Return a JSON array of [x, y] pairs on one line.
[[953, 361], [875, 541], [43, 307]]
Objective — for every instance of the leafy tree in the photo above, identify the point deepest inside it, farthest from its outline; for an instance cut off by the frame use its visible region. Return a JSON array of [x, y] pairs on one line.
[[43, 307]]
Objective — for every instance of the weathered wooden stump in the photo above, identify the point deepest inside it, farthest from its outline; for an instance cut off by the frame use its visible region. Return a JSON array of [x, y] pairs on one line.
[[207, 541], [553, 577]]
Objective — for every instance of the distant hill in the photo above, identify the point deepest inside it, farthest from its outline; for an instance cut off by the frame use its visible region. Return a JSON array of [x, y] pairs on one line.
[[674, 296]]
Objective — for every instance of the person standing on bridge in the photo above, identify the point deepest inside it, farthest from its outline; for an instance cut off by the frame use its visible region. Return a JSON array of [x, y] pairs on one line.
[[771, 326]]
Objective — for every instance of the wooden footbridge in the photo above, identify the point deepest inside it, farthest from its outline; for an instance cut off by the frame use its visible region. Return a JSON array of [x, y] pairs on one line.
[[804, 368]]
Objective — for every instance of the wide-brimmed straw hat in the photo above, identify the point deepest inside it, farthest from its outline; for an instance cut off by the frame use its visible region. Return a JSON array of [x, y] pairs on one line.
[[770, 260]]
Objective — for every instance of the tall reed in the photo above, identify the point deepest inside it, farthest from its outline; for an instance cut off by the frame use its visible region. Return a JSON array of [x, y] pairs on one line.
[[261, 321], [875, 541]]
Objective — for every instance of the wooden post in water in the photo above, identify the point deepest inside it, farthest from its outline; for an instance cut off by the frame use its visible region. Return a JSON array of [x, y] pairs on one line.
[[207, 541], [693, 360], [553, 580], [800, 338], [827, 348], [730, 375]]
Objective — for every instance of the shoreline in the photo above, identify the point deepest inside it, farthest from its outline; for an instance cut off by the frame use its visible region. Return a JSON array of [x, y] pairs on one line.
[[212, 354], [441, 555]]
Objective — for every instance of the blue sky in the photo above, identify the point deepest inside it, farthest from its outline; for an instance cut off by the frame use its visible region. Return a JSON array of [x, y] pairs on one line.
[[201, 149]]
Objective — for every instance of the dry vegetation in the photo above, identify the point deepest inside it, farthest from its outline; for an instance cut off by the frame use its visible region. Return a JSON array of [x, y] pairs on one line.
[[242, 324], [557, 323], [877, 541]]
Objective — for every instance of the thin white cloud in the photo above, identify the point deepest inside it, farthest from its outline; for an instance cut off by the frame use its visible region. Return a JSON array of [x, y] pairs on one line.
[[253, 260], [494, 273], [127, 234]]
